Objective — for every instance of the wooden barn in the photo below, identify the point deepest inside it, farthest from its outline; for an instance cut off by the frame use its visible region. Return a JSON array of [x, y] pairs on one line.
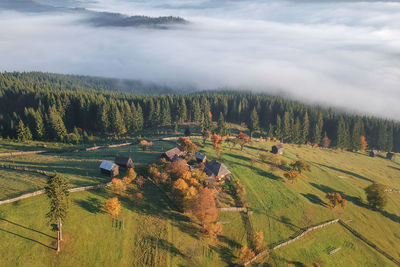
[[109, 168], [200, 157], [124, 163], [217, 170], [172, 154], [277, 149], [391, 156], [373, 153]]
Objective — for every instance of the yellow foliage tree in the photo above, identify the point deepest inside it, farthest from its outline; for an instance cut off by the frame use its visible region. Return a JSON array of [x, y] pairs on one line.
[[364, 143], [118, 186], [113, 207], [245, 254]]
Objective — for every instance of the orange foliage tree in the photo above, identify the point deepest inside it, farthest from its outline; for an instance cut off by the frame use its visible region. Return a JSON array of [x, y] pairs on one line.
[[185, 144], [178, 168], [118, 186], [243, 139], [364, 143], [204, 207], [113, 207], [145, 144], [292, 175]]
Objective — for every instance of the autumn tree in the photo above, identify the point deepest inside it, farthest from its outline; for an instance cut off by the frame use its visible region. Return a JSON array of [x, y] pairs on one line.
[[376, 195], [245, 254], [131, 174], [214, 230], [364, 143], [258, 241], [336, 199], [326, 142], [206, 135], [263, 156], [57, 191], [300, 166], [292, 175], [243, 139], [145, 144], [185, 144], [118, 186], [178, 168], [217, 143], [113, 207], [204, 206]]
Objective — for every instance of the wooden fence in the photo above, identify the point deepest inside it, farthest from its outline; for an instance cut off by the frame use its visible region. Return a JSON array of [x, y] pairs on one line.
[[369, 243], [232, 209], [40, 192], [261, 254], [14, 154], [24, 169]]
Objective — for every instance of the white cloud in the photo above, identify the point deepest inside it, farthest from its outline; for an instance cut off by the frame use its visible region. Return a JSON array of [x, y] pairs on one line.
[[344, 54]]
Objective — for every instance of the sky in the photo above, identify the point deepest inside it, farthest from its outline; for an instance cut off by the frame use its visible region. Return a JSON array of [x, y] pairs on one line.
[[344, 54]]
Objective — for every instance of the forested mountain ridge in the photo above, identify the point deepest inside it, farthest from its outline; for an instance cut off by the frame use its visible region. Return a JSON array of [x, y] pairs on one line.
[[49, 106]]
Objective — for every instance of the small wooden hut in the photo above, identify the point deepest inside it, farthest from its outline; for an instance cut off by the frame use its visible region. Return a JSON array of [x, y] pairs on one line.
[[373, 153], [124, 163], [172, 154], [109, 168], [217, 170], [277, 149], [391, 156]]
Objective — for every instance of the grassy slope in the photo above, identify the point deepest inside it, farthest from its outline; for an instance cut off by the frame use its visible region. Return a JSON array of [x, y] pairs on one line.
[[279, 206], [155, 236]]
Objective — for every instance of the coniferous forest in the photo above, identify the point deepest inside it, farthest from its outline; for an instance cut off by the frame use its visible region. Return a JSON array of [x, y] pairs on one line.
[[43, 106]]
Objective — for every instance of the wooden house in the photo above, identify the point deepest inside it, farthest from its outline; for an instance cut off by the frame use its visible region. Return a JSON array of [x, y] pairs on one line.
[[124, 163], [216, 169], [109, 168], [391, 156], [277, 149], [172, 154], [373, 153]]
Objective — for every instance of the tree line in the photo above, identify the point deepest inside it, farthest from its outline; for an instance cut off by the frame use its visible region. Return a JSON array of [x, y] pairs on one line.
[[42, 106]]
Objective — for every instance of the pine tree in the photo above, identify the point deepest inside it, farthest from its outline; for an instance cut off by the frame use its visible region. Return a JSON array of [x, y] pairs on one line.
[[57, 128], [319, 124], [221, 127], [278, 127], [24, 133], [342, 134], [253, 124], [355, 135], [57, 191], [305, 129], [286, 127], [139, 121], [196, 111], [297, 131]]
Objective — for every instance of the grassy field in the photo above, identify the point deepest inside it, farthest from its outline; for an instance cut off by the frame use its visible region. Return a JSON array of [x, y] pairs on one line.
[[81, 168], [154, 235], [281, 208]]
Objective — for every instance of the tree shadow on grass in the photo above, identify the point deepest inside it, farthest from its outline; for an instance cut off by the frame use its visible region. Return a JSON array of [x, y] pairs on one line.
[[345, 172], [226, 254], [27, 238], [27, 228], [314, 199], [357, 201], [92, 205], [394, 168], [165, 245]]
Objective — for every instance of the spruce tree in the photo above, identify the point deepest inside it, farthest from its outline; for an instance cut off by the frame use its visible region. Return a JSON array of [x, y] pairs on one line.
[[305, 129], [356, 135], [278, 127], [286, 127], [319, 124], [342, 134], [57, 191], [253, 124], [221, 127], [57, 128]]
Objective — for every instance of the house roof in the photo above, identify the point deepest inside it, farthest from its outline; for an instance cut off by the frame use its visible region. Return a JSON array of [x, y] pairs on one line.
[[124, 161], [172, 152], [200, 156], [107, 165], [215, 168]]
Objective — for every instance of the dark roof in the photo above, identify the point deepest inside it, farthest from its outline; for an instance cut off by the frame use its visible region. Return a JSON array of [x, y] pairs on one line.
[[200, 156], [124, 161], [215, 168], [172, 152], [391, 155]]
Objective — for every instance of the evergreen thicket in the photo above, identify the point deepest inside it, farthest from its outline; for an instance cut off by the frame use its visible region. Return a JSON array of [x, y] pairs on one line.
[[44, 106]]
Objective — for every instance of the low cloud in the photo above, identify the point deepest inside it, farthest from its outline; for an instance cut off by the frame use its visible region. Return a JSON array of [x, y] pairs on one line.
[[344, 54]]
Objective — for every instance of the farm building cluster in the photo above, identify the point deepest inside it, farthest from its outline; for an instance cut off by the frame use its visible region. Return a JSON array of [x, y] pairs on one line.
[[112, 169], [216, 171]]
